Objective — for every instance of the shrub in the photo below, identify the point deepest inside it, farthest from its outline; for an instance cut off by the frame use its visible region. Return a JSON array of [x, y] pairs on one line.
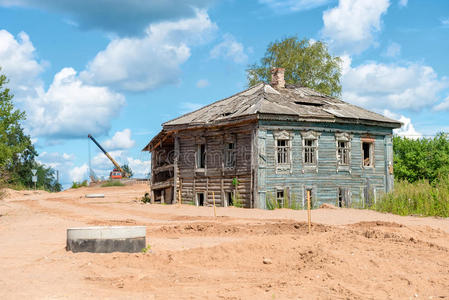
[[112, 183], [76, 184], [418, 198], [146, 198]]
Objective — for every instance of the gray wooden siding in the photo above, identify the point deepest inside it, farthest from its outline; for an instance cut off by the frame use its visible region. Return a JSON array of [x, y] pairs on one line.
[[326, 177]]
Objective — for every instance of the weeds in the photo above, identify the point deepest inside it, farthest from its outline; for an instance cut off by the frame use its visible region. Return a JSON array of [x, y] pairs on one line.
[[418, 198], [146, 198], [146, 249], [112, 183], [273, 203], [76, 184]]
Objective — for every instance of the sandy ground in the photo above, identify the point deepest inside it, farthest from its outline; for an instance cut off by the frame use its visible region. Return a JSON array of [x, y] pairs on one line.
[[351, 254]]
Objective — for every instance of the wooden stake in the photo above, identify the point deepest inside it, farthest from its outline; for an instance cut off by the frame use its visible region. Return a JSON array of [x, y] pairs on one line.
[[180, 199], [215, 211], [308, 210]]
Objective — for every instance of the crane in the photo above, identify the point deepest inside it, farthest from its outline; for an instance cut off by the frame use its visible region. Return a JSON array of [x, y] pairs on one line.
[[118, 172]]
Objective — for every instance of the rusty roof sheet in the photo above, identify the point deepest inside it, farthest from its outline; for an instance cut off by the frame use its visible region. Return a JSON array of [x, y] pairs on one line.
[[298, 102]]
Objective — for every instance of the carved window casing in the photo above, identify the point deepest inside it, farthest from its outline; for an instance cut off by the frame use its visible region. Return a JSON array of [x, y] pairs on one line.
[[343, 145], [367, 152], [283, 153], [310, 148]]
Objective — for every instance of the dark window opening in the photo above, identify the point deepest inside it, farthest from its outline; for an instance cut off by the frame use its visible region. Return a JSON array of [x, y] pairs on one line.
[[367, 154], [283, 152], [201, 156], [280, 198], [200, 199], [229, 198], [310, 152], [230, 155], [342, 200], [343, 153]]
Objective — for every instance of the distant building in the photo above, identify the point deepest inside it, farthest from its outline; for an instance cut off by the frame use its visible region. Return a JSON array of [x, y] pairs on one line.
[[274, 143]]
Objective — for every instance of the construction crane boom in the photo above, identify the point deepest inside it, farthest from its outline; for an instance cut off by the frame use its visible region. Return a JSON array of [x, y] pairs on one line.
[[108, 156]]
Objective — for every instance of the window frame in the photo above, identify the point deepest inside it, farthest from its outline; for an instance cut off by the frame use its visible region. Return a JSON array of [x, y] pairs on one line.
[[283, 151], [307, 136], [369, 141], [200, 158], [284, 167], [343, 137], [230, 153]]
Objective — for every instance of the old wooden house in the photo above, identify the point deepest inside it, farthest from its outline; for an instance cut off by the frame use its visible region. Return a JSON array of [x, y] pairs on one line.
[[273, 142]]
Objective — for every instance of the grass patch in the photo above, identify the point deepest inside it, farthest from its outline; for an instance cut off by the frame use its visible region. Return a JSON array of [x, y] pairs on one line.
[[418, 198], [76, 184], [112, 183]]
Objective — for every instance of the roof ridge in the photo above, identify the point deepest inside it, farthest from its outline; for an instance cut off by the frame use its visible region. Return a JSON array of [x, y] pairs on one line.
[[215, 102]]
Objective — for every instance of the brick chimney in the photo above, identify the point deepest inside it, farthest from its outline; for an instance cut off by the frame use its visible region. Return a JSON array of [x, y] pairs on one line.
[[277, 77]]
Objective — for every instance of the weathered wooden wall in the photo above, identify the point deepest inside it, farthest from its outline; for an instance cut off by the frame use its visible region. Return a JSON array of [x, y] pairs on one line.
[[215, 178], [327, 177]]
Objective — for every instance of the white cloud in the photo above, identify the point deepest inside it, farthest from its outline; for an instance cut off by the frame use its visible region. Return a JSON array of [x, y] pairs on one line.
[[140, 168], [393, 50], [72, 109], [124, 17], [285, 6], [403, 3], [229, 48], [79, 173], [102, 165], [375, 85], [407, 129], [120, 141], [443, 106], [138, 64], [350, 27], [202, 83], [18, 62]]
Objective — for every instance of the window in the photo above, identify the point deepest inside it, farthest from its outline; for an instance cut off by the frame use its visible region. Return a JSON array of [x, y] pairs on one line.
[[280, 198], [367, 149], [230, 154], [310, 151], [343, 151], [229, 201], [201, 156], [283, 152], [343, 197], [200, 199]]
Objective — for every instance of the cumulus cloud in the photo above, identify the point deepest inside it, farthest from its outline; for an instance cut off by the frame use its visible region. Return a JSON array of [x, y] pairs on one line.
[[124, 17], [138, 64], [71, 108], [407, 129], [202, 83], [403, 3], [443, 106], [120, 141], [19, 63], [285, 6], [375, 85], [350, 27], [445, 22], [230, 49], [79, 173]]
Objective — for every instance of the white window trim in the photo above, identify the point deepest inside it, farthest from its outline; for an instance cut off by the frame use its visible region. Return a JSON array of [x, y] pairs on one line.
[[310, 135], [284, 167], [372, 152], [343, 137]]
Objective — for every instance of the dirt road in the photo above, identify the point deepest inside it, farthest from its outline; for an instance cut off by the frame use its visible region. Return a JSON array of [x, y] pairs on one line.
[[241, 254]]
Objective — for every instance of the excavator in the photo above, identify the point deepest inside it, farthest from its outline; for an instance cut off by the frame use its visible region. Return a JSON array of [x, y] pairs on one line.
[[117, 172]]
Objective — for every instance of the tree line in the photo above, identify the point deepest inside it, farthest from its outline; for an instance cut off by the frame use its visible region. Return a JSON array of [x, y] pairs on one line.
[[17, 152]]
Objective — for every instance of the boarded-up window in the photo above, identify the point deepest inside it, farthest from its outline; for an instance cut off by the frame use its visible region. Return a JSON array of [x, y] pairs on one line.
[[343, 153], [201, 156], [310, 151], [230, 155], [283, 152]]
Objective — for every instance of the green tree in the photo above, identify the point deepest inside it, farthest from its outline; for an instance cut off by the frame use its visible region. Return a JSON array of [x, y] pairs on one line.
[[127, 170], [307, 64], [421, 158], [17, 153]]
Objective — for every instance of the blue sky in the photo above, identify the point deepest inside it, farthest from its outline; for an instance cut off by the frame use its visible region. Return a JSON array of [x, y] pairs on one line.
[[118, 69]]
